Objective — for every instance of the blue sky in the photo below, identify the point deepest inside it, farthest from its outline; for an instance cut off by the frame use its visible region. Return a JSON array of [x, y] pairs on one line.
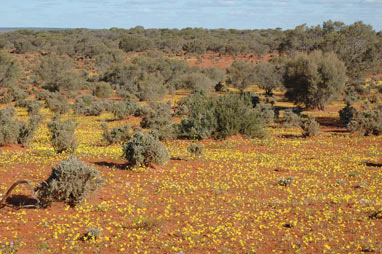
[[240, 14]]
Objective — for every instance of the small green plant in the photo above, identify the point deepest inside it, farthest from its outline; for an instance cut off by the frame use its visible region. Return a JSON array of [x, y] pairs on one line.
[[88, 106], [62, 135], [347, 114], [71, 181], [285, 181], [144, 149]]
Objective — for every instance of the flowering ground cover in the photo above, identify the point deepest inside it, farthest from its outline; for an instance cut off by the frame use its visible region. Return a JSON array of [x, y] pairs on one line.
[[280, 194]]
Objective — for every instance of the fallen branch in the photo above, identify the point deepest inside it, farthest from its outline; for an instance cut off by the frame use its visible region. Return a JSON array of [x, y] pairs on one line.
[[10, 190]]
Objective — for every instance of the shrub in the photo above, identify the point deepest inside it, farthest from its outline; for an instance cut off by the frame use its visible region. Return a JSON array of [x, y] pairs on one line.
[[310, 127], [144, 149], [33, 107], [347, 114], [315, 79], [266, 112], [291, 119], [367, 122], [117, 134], [17, 93], [71, 181], [9, 70], [62, 135], [195, 149], [88, 106], [103, 90], [9, 127], [122, 109], [158, 117], [224, 116], [14, 132], [57, 103], [28, 130]]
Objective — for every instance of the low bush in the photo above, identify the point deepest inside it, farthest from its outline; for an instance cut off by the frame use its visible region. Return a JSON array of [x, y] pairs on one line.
[[88, 106], [347, 114], [33, 107], [195, 149], [28, 130], [310, 126], [291, 119], [71, 181], [57, 103], [144, 149], [62, 135], [222, 116], [116, 135], [103, 90], [368, 122]]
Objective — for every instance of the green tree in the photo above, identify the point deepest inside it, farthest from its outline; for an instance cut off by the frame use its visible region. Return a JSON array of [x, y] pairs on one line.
[[268, 77], [315, 79]]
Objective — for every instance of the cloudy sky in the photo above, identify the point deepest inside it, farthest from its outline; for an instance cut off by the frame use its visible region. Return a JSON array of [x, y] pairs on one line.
[[241, 14]]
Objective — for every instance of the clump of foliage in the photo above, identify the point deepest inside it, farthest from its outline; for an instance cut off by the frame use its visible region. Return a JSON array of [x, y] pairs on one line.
[[158, 119], [9, 70], [144, 149], [314, 80], [13, 131], [62, 135], [28, 130], [71, 181], [122, 109], [291, 119], [224, 116], [310, 126], [116, 135], [57, 73], [9, 127], [103, 90], [240, 74], [368, 122], [33, 107], [88, 106], [268, 77], [266, 112], [347, 114], [57, 103], [195, 149]]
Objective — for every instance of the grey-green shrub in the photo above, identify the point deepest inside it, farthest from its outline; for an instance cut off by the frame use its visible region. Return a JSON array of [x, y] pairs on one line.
[[62, 135], [143, 149], [310, 127], [103, 90], [347, 114], [71, 181], [116, 135], [291, 119], [368, 122], [57, 103], [28, 130], [195, 149], [88, 106], [9, 127]]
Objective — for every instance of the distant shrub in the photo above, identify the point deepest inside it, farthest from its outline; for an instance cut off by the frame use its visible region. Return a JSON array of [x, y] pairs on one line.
[[103, 90], [9, 127], [291, 119], [33, 107], [195, 149], [158, 116], [347, 114], [116, 135], [71, 181], [224, 116], [17, 93], [9, 70], [266, 112], [368, 122], [144, 149], [310, 127], [13, 131], [62, 135], [42, 94], [122, 109], [28, 130], [88, 106], [57, 103]]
